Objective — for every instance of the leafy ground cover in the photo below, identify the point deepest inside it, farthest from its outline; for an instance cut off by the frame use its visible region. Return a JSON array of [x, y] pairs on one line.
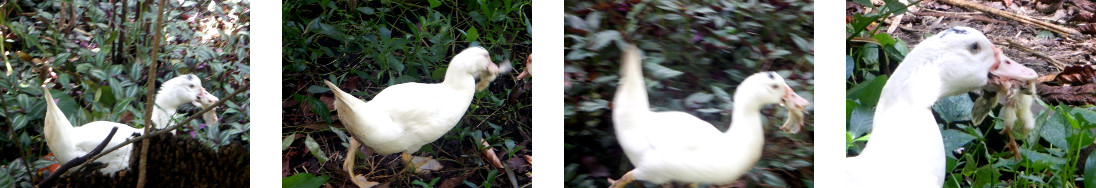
[[99, 51], [696, 52], [374, 44]]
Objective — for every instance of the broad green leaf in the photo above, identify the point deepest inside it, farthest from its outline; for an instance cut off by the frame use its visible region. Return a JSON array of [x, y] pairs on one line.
[[603, 38], [954, 108], [315, 148], [849, 66], [1090, 169], [318, 89], [867, 93], [368, 11], [953, 139], [288, 141], [304, 180]]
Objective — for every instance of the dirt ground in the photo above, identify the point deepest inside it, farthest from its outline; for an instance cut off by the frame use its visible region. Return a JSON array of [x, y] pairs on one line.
[[933, 16], [1047, 52]]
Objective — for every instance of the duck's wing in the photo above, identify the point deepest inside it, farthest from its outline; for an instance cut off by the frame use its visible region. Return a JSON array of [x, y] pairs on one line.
[[676, 131], [366, 122]]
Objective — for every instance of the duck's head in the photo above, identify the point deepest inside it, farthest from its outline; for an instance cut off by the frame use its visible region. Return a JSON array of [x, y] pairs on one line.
[[181, 90], [768, 88], [966, 59], [477, 62]]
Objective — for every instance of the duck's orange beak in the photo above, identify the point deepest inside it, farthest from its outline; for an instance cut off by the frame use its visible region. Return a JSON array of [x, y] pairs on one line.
[[793, 100]]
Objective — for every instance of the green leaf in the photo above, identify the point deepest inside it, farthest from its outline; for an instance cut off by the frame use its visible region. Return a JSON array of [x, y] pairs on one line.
[[660, 72], [1090, 169], [861, 121], [365, 10], [953, 139], [868, 93], [849, 66], [471, 34], [318, 89], [603, 38], [121, 106], [1054, 131], [19, 121], [304, 180], [315, 148], [954, 108], [288, 141], [884, 39], [435, 3]]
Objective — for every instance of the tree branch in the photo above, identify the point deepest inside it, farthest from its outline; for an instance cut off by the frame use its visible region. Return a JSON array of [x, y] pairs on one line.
[[141, 174]]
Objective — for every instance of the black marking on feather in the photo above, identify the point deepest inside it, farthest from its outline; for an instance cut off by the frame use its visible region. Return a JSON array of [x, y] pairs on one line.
[[956, 30], [771, 76], [190, 77]]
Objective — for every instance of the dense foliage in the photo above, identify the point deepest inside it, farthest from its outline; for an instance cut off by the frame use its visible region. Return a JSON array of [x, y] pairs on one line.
[[1057, 153], [368, 46], [695, 54], [99, 51]]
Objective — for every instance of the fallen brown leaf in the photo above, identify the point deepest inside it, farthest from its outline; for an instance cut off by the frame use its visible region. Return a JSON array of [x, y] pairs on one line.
[[489, 154]]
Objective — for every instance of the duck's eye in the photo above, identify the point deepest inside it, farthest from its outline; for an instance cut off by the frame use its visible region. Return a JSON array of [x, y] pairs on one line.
[[774, 86], [191, 85], [974, 47]]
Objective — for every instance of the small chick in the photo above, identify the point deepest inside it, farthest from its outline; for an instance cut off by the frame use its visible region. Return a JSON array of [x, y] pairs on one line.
[[796, 110], [206, 100], [1018, 97]]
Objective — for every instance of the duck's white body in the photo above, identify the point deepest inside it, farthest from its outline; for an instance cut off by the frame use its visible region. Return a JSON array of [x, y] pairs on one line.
[[403, 117], [174, 93], [68, 142], [676, 146], [906, 146]]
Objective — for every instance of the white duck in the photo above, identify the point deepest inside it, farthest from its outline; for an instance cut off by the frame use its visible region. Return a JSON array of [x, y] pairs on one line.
[[174, 93], [68, 142], [906, 146], [676, 146], [403, 117]]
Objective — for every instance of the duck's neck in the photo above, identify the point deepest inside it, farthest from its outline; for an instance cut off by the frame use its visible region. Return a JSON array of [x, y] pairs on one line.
[[58, 130], [166, 106], [746, 124], [917, 88], [458, 78], [903, 123], [631, 94], [746, 136]]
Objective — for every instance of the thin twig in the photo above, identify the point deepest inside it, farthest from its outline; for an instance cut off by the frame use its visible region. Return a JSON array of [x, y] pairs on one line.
[[1040, 55], [245, 87], [960, 16], [52, 179], [1067, 32]]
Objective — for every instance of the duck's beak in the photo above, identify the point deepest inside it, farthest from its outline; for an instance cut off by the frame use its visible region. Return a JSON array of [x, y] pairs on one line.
[[1006, 67], [488, 76], [793, 101], [203, 95]]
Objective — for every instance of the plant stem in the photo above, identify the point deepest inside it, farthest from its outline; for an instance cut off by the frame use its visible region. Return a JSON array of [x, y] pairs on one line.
[[149, 100]]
